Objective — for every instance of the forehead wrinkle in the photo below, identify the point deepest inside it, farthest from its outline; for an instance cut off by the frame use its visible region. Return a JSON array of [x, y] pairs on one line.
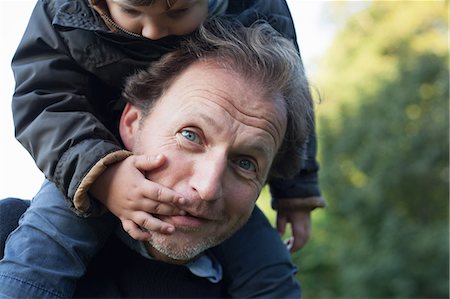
[[209, 120], [253, 121], [261, 147]]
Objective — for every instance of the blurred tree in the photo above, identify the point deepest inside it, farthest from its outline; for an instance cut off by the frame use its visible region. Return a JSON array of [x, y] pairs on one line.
[[383, 129]]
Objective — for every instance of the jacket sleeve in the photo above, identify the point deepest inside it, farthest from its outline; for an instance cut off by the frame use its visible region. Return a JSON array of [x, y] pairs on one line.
[[305, 183], [303, 186], [53, 117]]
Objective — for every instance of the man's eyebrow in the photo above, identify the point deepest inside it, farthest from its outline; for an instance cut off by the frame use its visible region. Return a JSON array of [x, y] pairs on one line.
[[262, 147], [208, 120]]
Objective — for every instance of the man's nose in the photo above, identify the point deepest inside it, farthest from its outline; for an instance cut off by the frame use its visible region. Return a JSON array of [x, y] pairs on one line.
[[207, 178], [154, 29]]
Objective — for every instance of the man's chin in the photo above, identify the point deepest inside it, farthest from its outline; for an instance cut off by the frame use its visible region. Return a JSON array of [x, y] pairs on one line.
[[188, 241], [176, 249]]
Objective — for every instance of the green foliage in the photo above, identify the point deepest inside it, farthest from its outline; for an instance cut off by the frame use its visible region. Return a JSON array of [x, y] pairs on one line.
[[384, 146]]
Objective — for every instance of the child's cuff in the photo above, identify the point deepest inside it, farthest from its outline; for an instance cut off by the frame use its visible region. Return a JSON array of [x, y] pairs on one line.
[[81, 200], [299, 203]]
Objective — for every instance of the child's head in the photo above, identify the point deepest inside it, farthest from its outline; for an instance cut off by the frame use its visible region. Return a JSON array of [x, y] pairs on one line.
[[155, 19]]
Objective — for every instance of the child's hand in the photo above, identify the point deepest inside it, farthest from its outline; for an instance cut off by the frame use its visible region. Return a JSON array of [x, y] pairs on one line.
[[300, 221], [128, 194]]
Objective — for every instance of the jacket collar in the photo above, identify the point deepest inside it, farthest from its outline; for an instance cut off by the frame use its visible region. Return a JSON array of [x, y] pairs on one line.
[[79, 14]]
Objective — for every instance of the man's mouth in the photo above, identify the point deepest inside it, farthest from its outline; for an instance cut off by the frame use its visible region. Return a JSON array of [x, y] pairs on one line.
[[187, 220]]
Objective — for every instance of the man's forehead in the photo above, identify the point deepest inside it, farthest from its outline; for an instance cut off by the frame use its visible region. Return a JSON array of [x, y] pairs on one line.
[[244, 100], [228, 86]]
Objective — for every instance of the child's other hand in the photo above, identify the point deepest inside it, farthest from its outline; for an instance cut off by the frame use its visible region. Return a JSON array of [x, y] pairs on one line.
[[128, 194], [300, 220]]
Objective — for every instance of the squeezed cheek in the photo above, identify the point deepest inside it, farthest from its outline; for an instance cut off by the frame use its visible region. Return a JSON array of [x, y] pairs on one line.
[[169, 144], [172, 173], [175, 168], [154, 146]]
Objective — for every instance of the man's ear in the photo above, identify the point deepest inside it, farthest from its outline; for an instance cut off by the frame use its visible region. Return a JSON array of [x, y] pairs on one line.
[[129, 125]]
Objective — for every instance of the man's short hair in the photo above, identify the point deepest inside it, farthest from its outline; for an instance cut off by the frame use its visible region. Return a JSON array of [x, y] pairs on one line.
[[259, 54]]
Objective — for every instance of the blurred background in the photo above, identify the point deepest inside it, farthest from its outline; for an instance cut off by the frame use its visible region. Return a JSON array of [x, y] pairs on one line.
[[379, 72], [382, 95]]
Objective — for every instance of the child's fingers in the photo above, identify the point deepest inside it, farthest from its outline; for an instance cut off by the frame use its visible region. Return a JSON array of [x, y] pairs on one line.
[[281, 223], [160, 208], [152, 224], [162, 194], [153, 190], [148, 163], [135, 231]]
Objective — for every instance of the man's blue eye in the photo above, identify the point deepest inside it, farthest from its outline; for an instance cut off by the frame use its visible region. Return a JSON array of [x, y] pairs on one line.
[[247, 165], [189, 135]]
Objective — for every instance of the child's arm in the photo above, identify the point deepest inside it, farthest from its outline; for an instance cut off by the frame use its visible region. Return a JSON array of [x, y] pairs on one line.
[[294, 199], [52, 109], [67, 82]]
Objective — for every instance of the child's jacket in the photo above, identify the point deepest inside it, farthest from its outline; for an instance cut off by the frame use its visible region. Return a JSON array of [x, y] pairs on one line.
[[69, 70]]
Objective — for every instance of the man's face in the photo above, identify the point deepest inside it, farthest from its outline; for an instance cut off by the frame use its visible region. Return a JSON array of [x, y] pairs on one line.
[[220, 137]]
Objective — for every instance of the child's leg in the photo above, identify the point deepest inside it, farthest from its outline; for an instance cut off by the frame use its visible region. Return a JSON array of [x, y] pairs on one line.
[[51, 248], [257, 263]]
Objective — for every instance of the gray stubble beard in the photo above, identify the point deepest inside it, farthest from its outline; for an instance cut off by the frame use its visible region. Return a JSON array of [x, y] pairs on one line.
[[186, 253]]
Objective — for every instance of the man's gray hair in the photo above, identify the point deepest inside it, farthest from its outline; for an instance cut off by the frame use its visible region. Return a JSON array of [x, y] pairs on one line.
[[258, 53]]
